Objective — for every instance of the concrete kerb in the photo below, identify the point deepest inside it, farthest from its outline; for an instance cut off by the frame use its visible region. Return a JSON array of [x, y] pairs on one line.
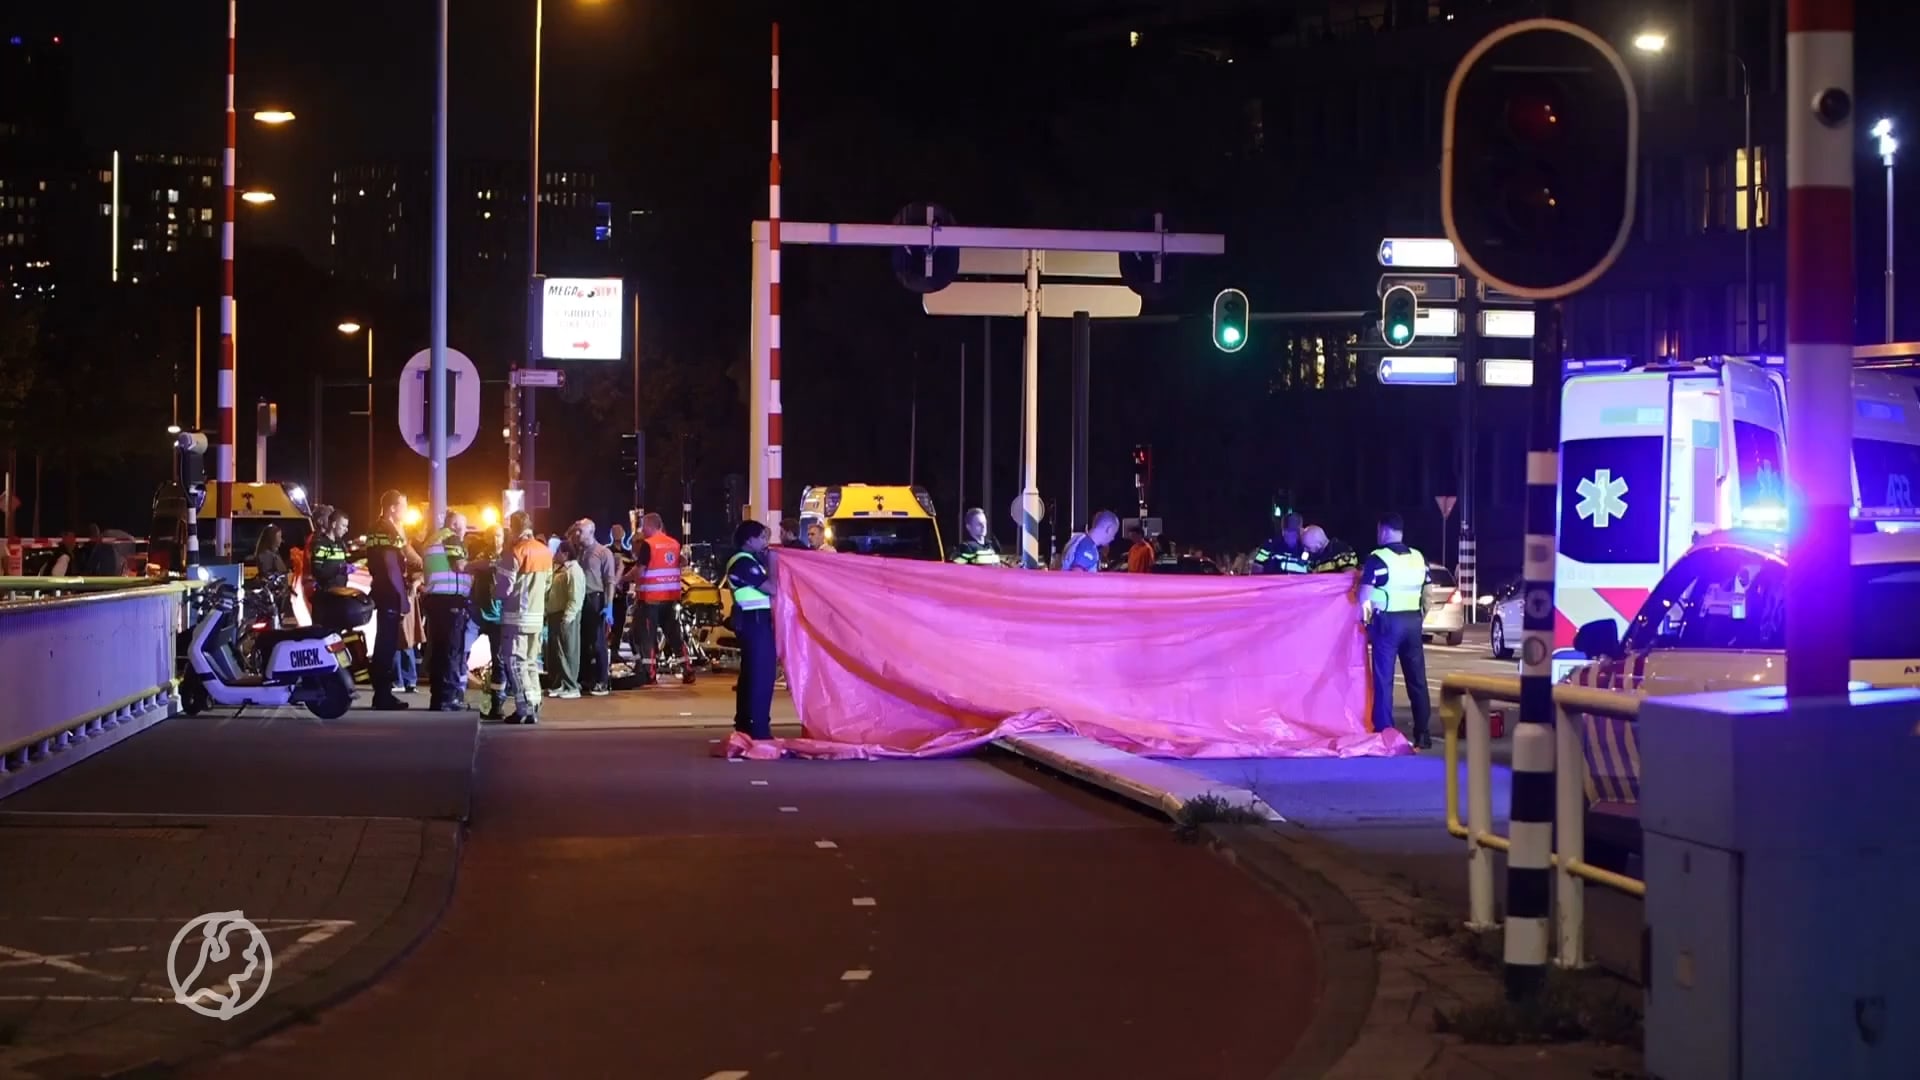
[[428, 894]]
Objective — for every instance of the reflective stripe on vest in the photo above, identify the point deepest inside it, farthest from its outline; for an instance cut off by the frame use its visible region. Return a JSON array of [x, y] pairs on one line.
[[660, 581], [981, 556], [1274, 561], [746, 597], [1406, 580], [447, 575]]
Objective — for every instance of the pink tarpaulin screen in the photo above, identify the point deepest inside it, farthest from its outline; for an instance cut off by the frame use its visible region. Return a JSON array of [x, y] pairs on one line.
[[888, 657]]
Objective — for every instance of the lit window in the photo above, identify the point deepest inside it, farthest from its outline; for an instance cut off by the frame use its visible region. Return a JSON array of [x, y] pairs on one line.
[[139, 243], [172, 246], [106, 210], [206, 213], [170, 215], [173, 196], [1761, 185], [1133, 39], [106, 176], [206, 181]]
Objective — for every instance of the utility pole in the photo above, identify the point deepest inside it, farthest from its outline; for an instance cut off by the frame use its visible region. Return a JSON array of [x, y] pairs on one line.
[[437, 373]]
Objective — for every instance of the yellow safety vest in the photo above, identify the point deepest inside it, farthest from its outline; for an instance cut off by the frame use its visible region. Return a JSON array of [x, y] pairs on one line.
[[446, 566], [747, 597], [1406, 580]]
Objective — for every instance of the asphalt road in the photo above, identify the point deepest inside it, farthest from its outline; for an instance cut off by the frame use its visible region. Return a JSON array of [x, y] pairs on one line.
[[629, 906]]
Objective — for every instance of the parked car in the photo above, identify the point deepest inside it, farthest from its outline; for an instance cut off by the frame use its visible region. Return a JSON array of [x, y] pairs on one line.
[[1504, 619], [1446, 610]]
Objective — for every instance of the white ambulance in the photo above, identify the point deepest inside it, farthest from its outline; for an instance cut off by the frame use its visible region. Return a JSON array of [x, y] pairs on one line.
[[1653, 458]]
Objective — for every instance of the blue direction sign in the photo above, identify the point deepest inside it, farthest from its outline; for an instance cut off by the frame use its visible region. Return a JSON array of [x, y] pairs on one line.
[[1419, 370], [1419, 253]]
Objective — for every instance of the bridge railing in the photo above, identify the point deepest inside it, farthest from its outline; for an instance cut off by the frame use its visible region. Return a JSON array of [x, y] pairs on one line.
[[84, 663], [1464, 701]]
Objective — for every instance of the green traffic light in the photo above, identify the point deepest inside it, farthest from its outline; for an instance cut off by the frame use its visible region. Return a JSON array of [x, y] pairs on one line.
[[1230, 335], [1400, 332]]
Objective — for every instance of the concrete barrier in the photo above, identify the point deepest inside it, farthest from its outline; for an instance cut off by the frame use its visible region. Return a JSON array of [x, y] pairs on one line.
[[80, 669]]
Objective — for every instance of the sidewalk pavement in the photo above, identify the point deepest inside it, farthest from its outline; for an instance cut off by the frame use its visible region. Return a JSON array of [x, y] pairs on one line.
[[338, 840], [1364, 854]]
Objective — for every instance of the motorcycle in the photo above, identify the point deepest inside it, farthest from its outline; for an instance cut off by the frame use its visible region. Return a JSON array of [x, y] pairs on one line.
[[303, 666]]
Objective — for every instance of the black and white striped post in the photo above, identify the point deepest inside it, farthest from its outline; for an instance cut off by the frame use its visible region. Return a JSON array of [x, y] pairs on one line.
[[1530, 821], [1537, 182]]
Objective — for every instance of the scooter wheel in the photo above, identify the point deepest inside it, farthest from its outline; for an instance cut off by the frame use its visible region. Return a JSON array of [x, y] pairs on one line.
[[336, 697], [193, 697]]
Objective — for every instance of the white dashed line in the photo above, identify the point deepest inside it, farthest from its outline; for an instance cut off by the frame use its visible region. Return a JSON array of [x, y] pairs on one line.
[[864, 901], [758, 783], [856, 975], [789, 809], [825, 845], [715, 740], [729, 1074]]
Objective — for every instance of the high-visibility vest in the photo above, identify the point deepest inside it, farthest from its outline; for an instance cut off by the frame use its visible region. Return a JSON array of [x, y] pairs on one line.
[[446, 566], [660, 581], [972, 554], [747, 597], [1406, 580]]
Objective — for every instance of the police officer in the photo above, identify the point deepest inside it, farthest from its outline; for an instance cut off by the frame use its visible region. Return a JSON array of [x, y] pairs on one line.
[[449, 587], [1283, 554], [976, 549], [331, 565], [752, 587], [389, 556], [1328, 555], [1393, 584]]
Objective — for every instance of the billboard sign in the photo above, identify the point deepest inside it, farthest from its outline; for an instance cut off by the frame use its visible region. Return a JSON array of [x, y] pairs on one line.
[[582, 319]]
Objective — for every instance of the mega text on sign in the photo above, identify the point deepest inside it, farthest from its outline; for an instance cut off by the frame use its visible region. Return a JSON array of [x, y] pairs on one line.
[[582, 319]]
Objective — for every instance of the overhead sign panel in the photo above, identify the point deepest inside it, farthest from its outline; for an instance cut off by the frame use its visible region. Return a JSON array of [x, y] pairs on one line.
[[1506, 323], [1430, 288], [1496, 372], [1437, 322], [1009, 298], [582, 319], [1491, 295], [1418, 252], [1419, 370]]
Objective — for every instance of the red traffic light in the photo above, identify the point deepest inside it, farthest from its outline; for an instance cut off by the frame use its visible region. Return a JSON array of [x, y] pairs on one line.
[[1534, 117]]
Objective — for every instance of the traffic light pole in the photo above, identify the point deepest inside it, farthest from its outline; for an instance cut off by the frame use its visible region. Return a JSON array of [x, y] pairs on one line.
[[1030, 424], [1082, 377]]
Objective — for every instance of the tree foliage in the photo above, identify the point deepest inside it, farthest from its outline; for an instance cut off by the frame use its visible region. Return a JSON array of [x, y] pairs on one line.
[[19, 363]]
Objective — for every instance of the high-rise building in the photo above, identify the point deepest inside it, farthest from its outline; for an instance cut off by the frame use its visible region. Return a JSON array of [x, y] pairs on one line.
[[381, 224], [37, 154]]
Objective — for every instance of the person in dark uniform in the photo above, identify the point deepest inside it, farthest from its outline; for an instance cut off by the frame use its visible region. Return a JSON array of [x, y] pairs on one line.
[[1283, 554], [752, 586], [976, 549], [1329, 555], [389, 555], [331, 566], [1393, 583], [449, 592]]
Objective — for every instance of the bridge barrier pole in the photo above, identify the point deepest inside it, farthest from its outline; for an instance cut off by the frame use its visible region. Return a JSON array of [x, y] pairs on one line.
[[1479, 814], [1570, 841]]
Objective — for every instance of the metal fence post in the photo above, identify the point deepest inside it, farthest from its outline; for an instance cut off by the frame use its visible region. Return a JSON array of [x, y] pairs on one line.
[[1480, 914], [1570, 842]]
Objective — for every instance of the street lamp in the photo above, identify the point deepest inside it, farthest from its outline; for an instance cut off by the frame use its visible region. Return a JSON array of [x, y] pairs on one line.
[[351, 328], [257, 198], [273, 116], [1883, 131], [1653, 42]]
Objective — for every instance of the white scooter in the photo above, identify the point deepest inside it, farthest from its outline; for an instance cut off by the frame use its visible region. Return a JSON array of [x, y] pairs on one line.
[[304, 665]]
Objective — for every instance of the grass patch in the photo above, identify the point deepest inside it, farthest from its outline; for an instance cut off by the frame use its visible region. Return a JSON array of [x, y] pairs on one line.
[[1571, 1007], [1211, 810]]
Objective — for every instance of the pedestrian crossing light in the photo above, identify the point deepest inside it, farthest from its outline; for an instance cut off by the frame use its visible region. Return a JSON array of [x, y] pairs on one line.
[[1230, 310], [1399, 313]]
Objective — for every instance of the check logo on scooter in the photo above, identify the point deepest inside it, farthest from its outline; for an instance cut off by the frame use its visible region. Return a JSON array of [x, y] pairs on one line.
[[306, 658]]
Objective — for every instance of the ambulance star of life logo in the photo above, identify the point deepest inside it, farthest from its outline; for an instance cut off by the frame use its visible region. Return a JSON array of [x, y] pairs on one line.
[[1601, 498]]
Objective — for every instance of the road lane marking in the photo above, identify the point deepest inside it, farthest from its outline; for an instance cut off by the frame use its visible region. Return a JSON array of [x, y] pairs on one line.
[[758, 783], [825, 844], [864, 901], [789, 809], [856, 975], [728, 1074]]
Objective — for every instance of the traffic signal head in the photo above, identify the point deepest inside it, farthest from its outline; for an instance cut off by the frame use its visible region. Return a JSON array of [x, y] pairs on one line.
[[1399, 315], [1230, 310], [1537, 159], [1140, 457], [629, 457]]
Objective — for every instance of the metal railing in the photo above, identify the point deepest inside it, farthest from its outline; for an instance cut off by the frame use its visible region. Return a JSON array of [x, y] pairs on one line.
[[1463, 703], [84, 663]]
